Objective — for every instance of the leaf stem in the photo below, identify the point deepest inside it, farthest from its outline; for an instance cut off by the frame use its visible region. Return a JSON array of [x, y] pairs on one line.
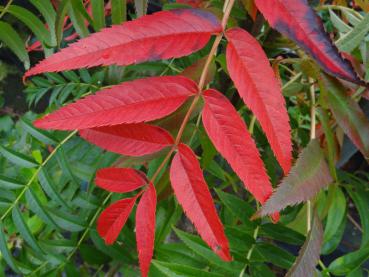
[[5, 9]]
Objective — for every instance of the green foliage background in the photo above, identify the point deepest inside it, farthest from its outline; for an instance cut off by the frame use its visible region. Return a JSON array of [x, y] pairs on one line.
[[48, 200]]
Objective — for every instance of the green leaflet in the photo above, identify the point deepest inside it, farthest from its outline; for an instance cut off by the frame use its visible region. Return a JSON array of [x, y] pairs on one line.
[[59, 24], [336, 222], [310, 252], [306, 178], [98, 14], [348, 114], [5, 251], [12, 40], [177, 270], [9, 183], [17, 158], [24, 230], [339, 23], [355, 37], [38, 134], [118, 11]]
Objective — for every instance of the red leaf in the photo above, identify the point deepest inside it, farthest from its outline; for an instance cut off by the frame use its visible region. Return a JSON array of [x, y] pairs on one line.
[[255, 81], [129, 139], [130, 102], [113, 218], [120, 180], [145, 228], [163, 35], [296, 20], [193, 194], [229, 134]]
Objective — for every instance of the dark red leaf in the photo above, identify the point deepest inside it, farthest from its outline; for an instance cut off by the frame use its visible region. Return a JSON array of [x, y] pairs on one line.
[[130, 102], [193, 194], [129, 139], [145, 228], [230, 136], [298, 21], [258, 86], [113, 218], [163, 35], [120, 180]]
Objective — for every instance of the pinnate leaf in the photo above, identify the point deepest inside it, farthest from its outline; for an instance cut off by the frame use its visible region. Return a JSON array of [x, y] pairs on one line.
[[306, 178], [193, 194], [230, 136], [145, 228], [129, 139], [130, 102], [259, 88], [120, 180], [310, 252], [113, 218], [298, 21], [163, 35]]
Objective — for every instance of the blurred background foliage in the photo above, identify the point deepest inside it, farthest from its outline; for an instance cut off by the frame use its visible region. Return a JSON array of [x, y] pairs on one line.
[[48, 200]]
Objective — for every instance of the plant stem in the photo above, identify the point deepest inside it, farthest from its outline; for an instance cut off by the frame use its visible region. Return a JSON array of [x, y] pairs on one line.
[[27, 186], [5, 9], [312, 136], [201, 85]]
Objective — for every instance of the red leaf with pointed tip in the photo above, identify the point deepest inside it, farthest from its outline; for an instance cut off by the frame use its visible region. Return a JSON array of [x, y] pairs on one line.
[[230, 136], [163, 35], [113, 218], [129, 139], [145, 228], [193, 194], [298, 21], [130, 102], [120, 180], [255, 81]]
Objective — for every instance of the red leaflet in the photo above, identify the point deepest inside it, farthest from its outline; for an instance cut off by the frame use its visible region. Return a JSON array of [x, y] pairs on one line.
[[113, 218], [120, 180], [193, 194], [130, 102], [229, 134], [296, 20], [129, 139], [255, 81], [145, 228], [163, 35]]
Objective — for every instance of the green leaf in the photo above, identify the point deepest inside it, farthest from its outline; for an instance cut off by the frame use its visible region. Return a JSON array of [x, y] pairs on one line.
[[36, 206], [38, 134], [336, 217], [309, 254], [118, 11], [31, 21], [17, 158], [67, 221], [306, 178], [347, 112], [355, 37], [178, 270], [9, 183], [238, 207], [48, 12], [98, 14], [197, 245], [349, 262], [282, 233], [49, 187], [339, 23], [78, 15], [272, 254], [5, 251], [24, 230], [11, 38], [60, 15]]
